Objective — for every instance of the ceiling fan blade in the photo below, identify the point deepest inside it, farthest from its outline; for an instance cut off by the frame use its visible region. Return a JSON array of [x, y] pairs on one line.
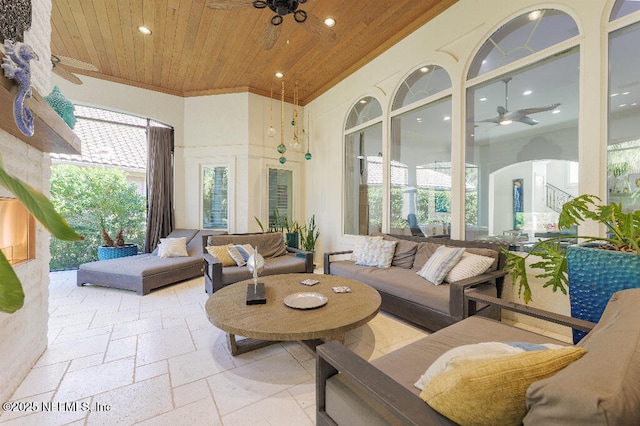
[[270, 36], [229, 4], [315, 26], [527, 111], [66, 74], [528, 120], [73, 63]]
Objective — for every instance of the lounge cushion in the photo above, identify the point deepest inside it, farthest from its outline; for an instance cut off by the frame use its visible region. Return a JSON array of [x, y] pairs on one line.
[[604, 386], [405, 254], [268, 244], [412, 360], [275, 265], [360, 243], [492, 392], [240, 253]]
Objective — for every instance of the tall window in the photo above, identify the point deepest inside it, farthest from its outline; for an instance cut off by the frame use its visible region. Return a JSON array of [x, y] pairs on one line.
[[624, 110], [215, 197], [522, 127], [363, 168], [420, 198], [280, 195]]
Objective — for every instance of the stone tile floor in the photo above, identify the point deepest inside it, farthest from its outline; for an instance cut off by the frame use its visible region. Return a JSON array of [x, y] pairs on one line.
[[115, 358]]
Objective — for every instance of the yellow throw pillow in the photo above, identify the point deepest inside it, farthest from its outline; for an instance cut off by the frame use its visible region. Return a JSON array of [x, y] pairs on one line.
[[222, 254], [493, 392]]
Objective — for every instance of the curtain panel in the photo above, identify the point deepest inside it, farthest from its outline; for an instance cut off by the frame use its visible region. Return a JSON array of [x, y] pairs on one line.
[[160, 213]]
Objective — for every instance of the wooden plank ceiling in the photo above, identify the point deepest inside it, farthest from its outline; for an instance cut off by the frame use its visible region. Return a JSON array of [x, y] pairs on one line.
[[195, 50]]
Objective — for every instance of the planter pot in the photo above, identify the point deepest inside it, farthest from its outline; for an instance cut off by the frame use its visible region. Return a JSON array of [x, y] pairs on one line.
[[594, 275], [105, 252], [292, 239]]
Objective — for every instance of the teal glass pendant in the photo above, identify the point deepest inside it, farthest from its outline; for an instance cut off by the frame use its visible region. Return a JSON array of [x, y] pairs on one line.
[[307, 156], [282, 149], [283, 160]]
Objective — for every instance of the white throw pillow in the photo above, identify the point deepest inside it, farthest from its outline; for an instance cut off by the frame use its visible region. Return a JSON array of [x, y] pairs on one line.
[[440, 263], [173, 247], [377, 252], [360, 243], [479, 351], [470, 265]]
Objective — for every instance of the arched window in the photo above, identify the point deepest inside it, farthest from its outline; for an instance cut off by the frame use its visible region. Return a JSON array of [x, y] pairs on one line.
[[363, 168], [623, 146], [623, 8], [522, 128], [420, 153]]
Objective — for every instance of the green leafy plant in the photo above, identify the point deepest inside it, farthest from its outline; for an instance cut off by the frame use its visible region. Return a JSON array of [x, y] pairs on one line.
[[623, 234], [79, 194], [11, 292], [309, 235]]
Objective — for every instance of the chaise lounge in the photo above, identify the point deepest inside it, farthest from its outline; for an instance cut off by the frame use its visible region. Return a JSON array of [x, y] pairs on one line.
[[145, 272]]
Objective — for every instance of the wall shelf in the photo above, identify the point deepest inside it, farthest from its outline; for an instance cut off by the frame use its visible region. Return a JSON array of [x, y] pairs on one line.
[[51, 133]]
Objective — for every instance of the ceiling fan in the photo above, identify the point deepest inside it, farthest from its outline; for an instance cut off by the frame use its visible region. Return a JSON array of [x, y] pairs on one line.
[[60, 64], [506, 117], [281, 8]]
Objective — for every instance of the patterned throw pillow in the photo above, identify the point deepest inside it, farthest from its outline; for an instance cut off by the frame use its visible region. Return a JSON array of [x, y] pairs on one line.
[[360, 243], [240, 253], [440, 263], [377, 252], [470, 265], [222, 254]]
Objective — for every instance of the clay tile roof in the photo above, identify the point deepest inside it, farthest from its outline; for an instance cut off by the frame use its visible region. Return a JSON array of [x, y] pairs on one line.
[[109, 139]]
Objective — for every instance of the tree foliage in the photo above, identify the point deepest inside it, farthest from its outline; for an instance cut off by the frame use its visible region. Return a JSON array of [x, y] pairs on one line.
[[90, 198]]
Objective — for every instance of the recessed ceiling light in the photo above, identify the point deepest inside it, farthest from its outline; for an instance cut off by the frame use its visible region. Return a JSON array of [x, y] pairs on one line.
[[555, 111], [534, 15], [279, 75], [363, 101], [622, 105], [330, 22], [144, 30], [424, 69], [447, 118], [419, 120], [527, 92], [625, 93], [482, 99], [614, 94]]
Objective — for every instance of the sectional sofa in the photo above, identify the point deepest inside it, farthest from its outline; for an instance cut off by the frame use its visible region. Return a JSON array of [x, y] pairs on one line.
[[278, 258], [599, 387], [407, 295]]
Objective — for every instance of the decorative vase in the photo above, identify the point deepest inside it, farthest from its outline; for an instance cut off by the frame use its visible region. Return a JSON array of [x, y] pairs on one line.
[[594, 275], [105, 252]]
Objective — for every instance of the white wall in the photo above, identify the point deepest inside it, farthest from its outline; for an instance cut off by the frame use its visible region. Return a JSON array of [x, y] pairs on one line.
[[23, 334]]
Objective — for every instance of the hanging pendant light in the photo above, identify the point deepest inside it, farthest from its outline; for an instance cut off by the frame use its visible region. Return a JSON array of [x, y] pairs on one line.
[[307, 156], [271, 132], [295, 142], [282, 148]]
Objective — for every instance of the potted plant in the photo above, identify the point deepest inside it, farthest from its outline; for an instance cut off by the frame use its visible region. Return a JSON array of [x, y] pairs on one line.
[[114, 207], [292, 234], [591, 271], [309, 235]]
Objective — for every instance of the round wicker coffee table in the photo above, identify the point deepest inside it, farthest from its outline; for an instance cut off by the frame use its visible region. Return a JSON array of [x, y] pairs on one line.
[[265, 324]]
